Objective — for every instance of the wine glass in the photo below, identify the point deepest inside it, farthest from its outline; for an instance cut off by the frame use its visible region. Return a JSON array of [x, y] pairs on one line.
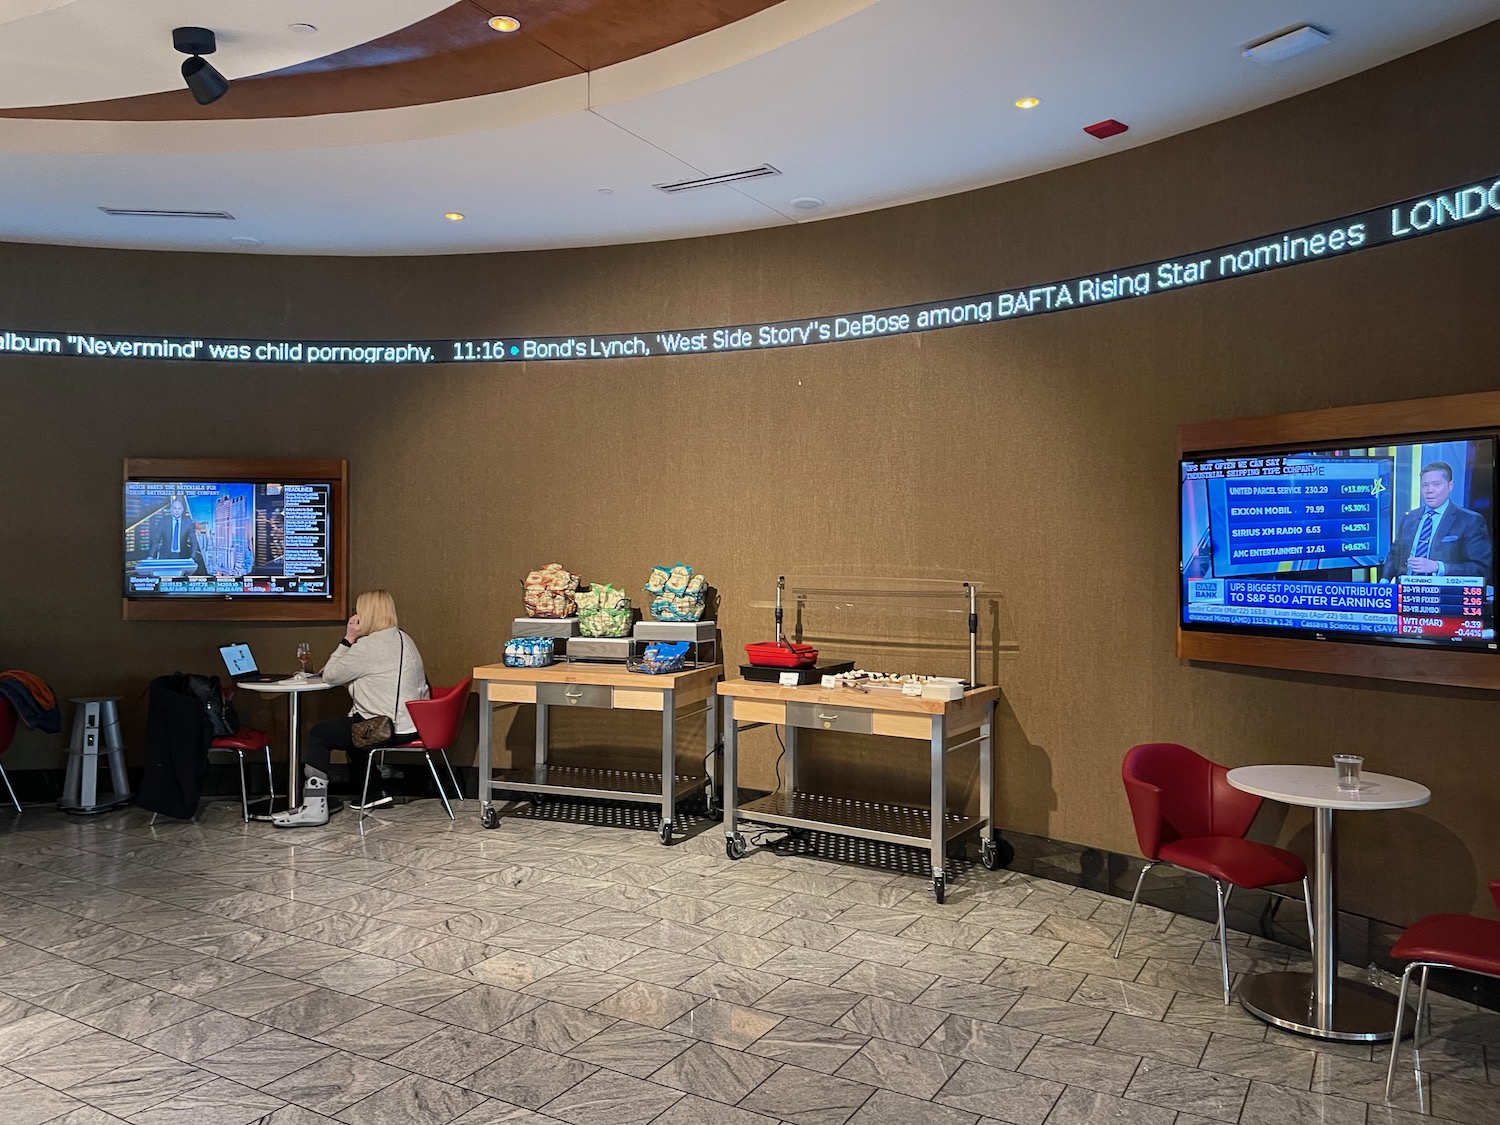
[[303, 651]]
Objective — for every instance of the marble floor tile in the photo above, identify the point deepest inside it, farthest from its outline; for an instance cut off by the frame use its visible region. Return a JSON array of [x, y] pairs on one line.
[[692, 1110], [728, 1025], [251, 995], [1270, 1104], [814, 965], [806, 1097], [993, 1044], [727, 982], [1281, 1065], [483, 1008], [741, 949], [413, 1100], [607, 1098], [716, 1073], [998, 1093], [26, 1102], [885, 1019], [265, 1058], [201, 1036], [194, 977], [529, 1078], [632, 1048], [315, 1012], [37, 1031], [450, 1054], [1079, 1064], [555, 1028], [981, 1001], [955, 964], [886, 1107], [813, 1046], [139, 1085], [356, 973], [896, 1066], [1040, 980], [662, 966], [594, 953], [143, 1015], [886, 981], [333, 1083], [1057, 1017], [1132, 999], [511, 969], [651, 1004], [416, 990], [219, 1102], [746, 920], [1203, 1093], [379, 1033], [449, 954], [77, 1059], [580, 987], [940, 931]]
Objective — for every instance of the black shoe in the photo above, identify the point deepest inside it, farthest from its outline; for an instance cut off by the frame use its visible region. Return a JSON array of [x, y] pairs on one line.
[[374, 803]]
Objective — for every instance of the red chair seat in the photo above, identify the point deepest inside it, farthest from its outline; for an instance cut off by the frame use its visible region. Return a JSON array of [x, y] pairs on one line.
[[1244, 863], [1460, 940], [246, 738]]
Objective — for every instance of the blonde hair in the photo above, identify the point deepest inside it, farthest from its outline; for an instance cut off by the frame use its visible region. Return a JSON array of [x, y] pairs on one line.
[[377, 611]]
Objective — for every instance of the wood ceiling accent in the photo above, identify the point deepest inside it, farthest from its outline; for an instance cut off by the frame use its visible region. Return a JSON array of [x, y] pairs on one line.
[[451, 54]]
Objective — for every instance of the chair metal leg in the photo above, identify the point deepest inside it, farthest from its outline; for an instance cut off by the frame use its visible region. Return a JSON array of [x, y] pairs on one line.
[[1390, 1069], [270, 778], [239, 756], [438, 782], [1223, 898], [364, 796], [9, 790], [457, 788], [1130, 913], [1416, 1030], [1307, 903]]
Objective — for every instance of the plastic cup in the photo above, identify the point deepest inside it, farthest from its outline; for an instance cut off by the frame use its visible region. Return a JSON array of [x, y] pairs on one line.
[[1346, 771]]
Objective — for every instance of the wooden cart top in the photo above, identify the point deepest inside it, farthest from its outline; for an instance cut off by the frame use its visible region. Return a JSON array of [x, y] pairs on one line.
[[605, 675], [873, 700]]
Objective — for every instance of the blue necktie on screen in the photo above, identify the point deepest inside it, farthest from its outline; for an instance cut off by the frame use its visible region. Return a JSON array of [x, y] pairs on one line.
[[177, 536], [1424, 536]]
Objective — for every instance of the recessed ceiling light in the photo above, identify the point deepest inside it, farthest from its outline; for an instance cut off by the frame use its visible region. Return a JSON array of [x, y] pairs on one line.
[[1283, 46], [245, 240], [505, 23], [302, 28], [452, 216], [1028, 103], [807, 203], [606, 191]]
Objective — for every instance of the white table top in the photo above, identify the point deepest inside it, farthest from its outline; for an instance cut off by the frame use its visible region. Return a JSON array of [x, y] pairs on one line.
[[1314, 787], [283, 687]]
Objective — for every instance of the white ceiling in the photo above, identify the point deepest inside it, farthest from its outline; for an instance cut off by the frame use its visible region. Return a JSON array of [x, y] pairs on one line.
[[862, 103]]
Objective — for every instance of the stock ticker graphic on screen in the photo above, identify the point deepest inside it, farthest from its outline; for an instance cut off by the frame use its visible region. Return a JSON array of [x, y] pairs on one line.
[[1391, 542], [226, 539]]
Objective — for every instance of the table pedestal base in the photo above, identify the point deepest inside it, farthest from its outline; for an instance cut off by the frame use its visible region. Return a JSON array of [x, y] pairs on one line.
[[1362, 1013]]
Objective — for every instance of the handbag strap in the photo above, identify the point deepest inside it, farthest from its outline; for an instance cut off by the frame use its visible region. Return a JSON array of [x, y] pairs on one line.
[[400, 663]]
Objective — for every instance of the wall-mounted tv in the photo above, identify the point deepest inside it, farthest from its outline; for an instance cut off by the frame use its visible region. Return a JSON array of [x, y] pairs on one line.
[[1390, 541], [1356, 540], [246, 539]]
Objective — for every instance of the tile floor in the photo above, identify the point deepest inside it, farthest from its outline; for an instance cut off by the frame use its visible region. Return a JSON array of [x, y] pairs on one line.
[[552, 971]]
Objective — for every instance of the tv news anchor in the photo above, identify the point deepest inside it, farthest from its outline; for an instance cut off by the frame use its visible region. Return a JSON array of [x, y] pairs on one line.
[[1439, 538], [174, 535], [383, 670]]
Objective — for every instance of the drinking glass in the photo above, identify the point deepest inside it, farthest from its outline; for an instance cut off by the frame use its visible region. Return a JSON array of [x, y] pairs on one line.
[[1346, 771], [303, 651]]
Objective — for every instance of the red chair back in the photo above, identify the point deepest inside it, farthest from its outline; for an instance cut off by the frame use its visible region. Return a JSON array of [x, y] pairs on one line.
[[1494, 887], [1177, 794], [7, 723], [439, 718]]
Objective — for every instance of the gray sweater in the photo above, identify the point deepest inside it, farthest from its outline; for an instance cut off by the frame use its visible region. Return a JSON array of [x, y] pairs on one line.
[[368, 667]]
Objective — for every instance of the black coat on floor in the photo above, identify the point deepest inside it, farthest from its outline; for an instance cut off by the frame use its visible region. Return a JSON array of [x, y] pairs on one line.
[[177, 738]]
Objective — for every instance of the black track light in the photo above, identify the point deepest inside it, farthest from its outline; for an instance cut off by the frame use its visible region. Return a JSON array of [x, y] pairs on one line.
[[206, 83]]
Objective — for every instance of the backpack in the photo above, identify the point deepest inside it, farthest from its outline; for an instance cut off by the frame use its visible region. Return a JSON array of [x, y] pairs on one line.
[[222, 717]]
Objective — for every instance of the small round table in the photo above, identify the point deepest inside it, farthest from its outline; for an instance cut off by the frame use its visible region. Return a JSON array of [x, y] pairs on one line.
[[292, 688], [1321, 1003]]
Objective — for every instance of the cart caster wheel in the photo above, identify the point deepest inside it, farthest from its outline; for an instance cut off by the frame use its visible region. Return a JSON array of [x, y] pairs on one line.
[[489, 818], [938, 889], [734, 845], [989, 855], [664, 833]]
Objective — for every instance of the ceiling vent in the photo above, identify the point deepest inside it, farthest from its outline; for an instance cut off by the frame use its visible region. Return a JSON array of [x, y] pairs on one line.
[[154, 213], [727, 178], [1285, 45]]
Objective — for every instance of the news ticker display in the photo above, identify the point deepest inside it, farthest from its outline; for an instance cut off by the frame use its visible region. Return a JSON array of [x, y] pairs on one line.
[[1449, 609], [270, 539], [1382, 226]]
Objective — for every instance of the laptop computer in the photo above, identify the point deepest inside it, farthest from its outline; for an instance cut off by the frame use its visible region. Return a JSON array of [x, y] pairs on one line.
[[242, 667]]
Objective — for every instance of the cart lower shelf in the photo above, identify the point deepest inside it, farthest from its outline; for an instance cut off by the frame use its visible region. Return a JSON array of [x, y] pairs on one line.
[[868, 820], [606, 784]]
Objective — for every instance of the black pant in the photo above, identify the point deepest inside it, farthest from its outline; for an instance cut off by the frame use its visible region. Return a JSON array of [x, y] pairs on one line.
[[338, 734]]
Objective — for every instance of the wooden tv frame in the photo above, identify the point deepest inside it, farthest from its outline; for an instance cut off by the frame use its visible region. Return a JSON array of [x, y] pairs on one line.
[[271, 607], [1346, 426]]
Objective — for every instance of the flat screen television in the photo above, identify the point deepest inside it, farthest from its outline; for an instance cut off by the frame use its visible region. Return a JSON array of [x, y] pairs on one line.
[[201, 536], [1383, 541]]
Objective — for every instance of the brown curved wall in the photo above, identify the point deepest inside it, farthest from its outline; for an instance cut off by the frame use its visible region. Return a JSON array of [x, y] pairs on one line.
[[1038, 452]]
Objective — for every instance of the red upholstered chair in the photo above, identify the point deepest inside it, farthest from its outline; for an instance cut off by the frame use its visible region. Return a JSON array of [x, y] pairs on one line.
[[1441, 941], [7, 735], [437, 721], [1187, 815], [246, 740]]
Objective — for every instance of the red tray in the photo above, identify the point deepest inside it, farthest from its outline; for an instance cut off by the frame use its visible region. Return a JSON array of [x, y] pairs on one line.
[[781, 654]]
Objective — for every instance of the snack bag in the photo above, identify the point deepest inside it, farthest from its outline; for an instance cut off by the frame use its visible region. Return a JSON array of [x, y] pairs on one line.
[[657, 582], [549, 592], [679, 593], [604, 611]]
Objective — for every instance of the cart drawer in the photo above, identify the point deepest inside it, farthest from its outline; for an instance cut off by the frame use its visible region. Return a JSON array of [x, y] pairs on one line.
[[824, 716], [576, 695]]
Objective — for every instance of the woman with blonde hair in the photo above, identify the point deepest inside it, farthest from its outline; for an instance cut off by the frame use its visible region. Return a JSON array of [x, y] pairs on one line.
[[383, 670]]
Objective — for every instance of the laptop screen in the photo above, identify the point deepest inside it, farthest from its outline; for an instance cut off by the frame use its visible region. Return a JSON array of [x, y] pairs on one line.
[[237, 659]]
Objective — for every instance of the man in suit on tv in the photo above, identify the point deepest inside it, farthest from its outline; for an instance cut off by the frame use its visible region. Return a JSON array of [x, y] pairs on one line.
[[1439, 538], [175, 536]]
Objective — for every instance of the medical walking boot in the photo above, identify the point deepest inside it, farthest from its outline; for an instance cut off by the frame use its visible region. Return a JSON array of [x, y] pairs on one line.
[[313, 812]]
